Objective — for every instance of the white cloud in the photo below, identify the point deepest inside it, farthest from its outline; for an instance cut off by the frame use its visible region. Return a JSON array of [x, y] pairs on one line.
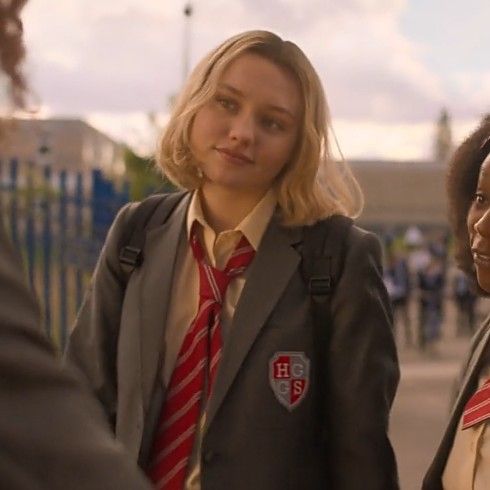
[[129, 58], [123, 60], [471, 93], [366, 139], [403, 141], [116, 60], [372, 71], [137, 129]]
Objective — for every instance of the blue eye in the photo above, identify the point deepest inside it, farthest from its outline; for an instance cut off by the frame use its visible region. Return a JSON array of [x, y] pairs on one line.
[[272, 124], [226, 103]]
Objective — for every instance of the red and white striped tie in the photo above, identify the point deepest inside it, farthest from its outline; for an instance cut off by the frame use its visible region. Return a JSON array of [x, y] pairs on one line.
[[195, 369], [477, 409]]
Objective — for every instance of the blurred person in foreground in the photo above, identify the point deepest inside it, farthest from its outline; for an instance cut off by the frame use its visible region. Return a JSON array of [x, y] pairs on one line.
[[462, 461], [52, 433]]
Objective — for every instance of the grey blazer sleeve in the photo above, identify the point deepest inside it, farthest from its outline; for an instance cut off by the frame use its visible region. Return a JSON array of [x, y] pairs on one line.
[[92, 345], [363, 372], [53, 435]]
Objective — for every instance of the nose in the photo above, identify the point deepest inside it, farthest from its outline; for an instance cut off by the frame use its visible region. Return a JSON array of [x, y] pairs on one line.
[[482, 225], [242, 129]]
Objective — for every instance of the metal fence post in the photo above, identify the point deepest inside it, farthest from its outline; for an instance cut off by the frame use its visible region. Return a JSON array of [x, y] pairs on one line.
[[62, 269], [46, 250]]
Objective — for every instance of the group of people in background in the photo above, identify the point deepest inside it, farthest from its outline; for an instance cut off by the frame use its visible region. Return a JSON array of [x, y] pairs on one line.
[[421, 282]]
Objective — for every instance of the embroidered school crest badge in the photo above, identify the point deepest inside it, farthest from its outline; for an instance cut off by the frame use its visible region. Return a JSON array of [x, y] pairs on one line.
[[289, 376]]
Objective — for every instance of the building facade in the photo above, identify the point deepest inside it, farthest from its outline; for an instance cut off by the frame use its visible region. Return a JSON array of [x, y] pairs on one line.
[[401, 194], [64, 144]]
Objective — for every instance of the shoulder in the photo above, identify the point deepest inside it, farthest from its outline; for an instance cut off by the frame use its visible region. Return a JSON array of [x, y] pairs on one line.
[[361, 237], [345, 238], [363, 245], [353, 236], [479, 337], [119, 225], [134, 213], [355, 250], [123, 216]]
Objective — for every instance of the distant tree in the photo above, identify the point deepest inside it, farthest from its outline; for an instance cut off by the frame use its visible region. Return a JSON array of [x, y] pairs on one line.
[[443, 143], [144, 178]]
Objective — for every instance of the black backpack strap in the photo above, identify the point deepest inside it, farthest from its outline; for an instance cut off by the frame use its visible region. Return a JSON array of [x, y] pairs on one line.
[[323, 258], [152, 211]]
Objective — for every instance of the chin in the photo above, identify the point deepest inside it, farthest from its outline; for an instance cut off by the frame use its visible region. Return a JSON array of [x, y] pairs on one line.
[[484, 282], [226, 180]]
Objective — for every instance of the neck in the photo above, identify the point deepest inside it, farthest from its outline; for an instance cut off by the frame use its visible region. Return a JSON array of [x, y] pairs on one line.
[[224, 208]]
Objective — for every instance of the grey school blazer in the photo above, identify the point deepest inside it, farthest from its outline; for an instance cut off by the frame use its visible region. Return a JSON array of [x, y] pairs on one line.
[[53, 434], [479, 356], [254, 437]]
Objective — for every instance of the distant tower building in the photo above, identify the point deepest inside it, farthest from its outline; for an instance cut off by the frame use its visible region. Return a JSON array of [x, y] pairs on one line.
[[443, 143]]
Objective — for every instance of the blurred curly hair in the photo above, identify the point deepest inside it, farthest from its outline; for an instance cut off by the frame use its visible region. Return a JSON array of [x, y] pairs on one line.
[[12, 50], [461, 184]]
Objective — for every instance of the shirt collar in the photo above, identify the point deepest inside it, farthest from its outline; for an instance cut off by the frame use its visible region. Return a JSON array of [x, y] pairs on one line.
[[252, 226]]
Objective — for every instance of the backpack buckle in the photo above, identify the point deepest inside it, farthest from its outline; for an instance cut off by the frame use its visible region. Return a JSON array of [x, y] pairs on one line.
[[131, 256], [320, 285]]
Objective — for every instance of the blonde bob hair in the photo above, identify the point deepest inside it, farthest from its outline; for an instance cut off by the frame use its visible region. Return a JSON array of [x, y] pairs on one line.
[[312, 185]]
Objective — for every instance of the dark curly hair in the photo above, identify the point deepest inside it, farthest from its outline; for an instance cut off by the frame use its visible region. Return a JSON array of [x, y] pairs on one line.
[[12, 50], [462, 180]]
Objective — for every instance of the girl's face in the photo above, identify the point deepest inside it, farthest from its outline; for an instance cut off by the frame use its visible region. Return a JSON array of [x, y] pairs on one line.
[[246, 133], [478, 222]]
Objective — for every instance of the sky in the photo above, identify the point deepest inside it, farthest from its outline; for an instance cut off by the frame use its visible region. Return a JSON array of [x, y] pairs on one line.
[[388, 66]]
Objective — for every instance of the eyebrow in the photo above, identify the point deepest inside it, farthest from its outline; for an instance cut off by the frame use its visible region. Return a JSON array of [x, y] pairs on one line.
[[276, 108]]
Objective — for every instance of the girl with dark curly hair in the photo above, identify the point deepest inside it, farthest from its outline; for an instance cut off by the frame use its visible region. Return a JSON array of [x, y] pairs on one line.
[[462, 460]]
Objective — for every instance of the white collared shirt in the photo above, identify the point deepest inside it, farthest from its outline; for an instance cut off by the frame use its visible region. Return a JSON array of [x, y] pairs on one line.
[[468, 464]]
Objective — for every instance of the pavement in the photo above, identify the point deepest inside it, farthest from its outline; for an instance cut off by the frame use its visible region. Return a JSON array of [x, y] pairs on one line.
[[422, 403]]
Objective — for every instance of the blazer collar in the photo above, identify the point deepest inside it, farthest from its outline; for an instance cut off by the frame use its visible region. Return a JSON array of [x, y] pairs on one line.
[[157, 273]]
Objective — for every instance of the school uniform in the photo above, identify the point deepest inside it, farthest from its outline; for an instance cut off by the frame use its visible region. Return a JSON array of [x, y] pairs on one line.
[[251, 436], [462, 460], [53, 435]]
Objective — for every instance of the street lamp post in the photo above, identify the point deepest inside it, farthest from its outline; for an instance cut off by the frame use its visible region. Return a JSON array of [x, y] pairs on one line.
[[186, 51]]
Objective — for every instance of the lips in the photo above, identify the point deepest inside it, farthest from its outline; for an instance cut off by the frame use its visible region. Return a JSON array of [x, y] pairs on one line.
[[481, 257], [234, 156]]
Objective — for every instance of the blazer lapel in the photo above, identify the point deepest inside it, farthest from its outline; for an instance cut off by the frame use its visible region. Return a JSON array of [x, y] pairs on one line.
[[156, 280], [274, 264], [470, 378], [468, 384]]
